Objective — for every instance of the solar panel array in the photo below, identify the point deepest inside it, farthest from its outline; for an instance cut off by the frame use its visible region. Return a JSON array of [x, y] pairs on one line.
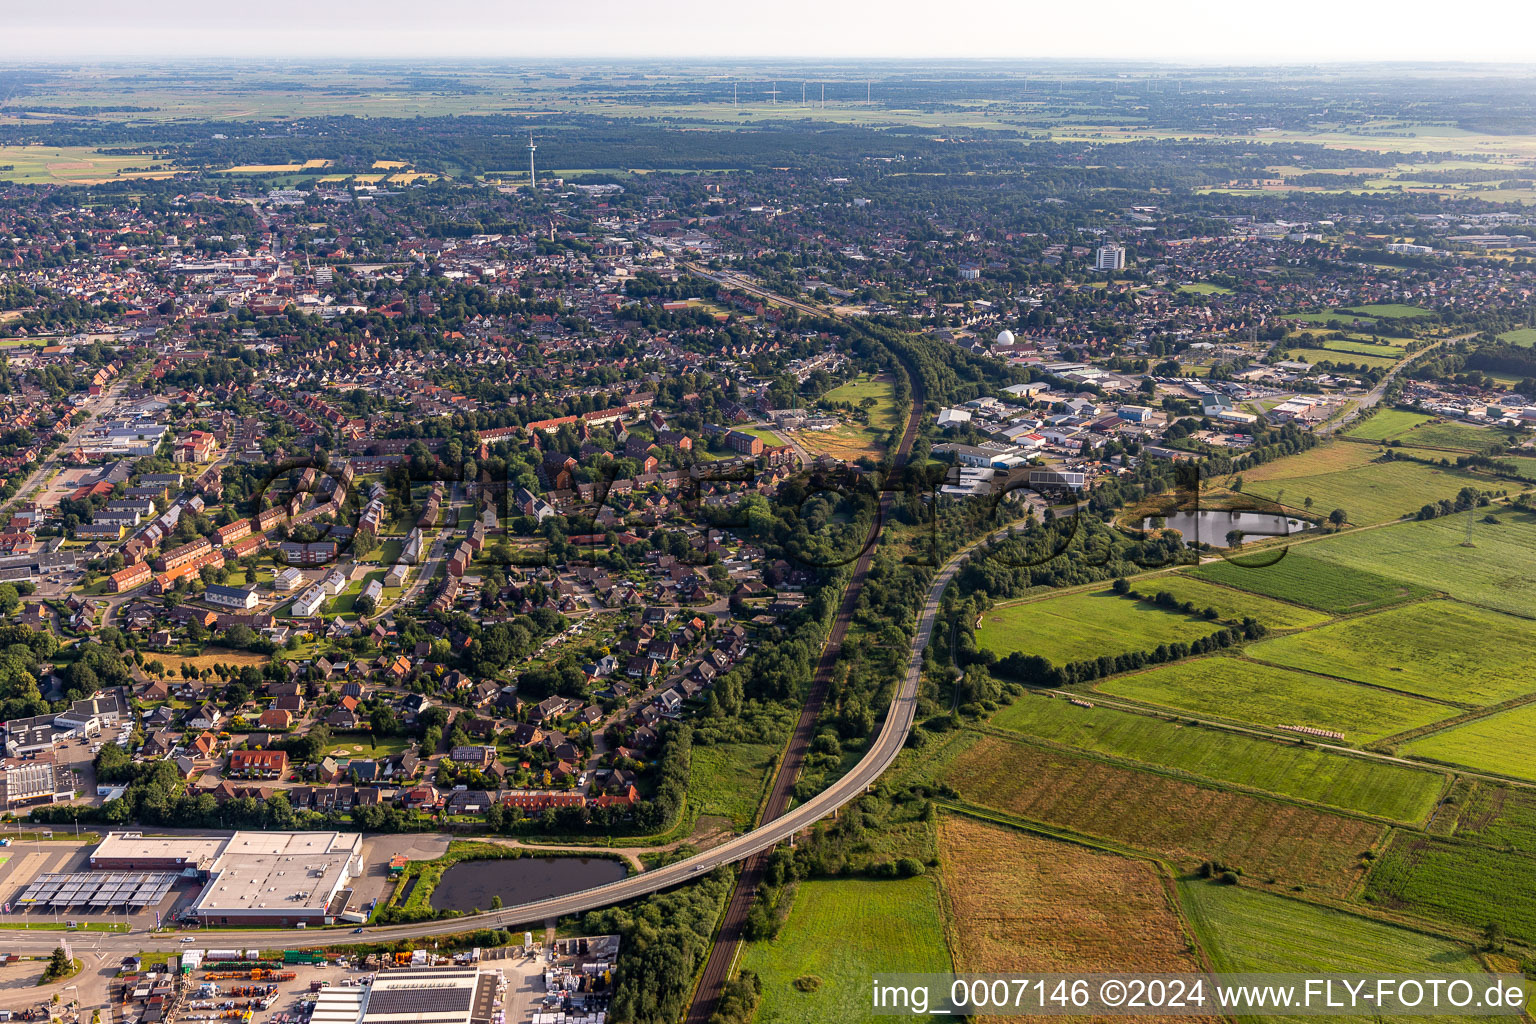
[[99, 889], [441, 999]]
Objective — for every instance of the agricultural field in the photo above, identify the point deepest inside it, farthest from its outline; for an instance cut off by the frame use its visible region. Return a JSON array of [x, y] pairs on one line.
[[1503, 743], [1387, 424], [1455, 437], [1342, 352], [1444, 650], [1433, 553], [1499, 816], [1231, 605], [1084, 625], [1290, 769], [1307, 580], [1016, 902], [1524, 337], [726, 779], [840, 934], [1458, 882], [1263, 695], [1180, 821], [1246, 931], [76, 165], [1347, 476]]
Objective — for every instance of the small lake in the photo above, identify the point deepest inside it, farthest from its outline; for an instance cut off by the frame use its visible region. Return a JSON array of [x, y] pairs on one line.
[[1210, 526], [473, 883]]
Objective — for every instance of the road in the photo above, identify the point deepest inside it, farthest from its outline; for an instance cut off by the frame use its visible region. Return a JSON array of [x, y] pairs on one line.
[[99, 409], [1375, 395]]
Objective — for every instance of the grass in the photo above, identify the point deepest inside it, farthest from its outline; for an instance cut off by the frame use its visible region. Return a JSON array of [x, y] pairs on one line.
[[1457, 882], [726, 779], [1290, 769], [1203, 288], [1179, 821], [210, 657], [1232, 605], [368, 747], [1524, 337], [1075, 627], [1394, 310], [1333, 352], [75, 165], [842, 933], [1432, 553], [1017, 902], [1453, 435], [1247, 931], [1499, 816], [1440, 649], [1264, 695], [1344, 475], [1307, 580], [1387, 424], [1501, 743]]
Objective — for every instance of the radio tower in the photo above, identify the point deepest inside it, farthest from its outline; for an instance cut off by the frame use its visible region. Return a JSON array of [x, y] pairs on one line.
[[531, 148]]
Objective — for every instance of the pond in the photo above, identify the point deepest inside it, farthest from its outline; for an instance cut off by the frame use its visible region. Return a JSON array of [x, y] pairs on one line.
[[473, 883], [1210, 526]]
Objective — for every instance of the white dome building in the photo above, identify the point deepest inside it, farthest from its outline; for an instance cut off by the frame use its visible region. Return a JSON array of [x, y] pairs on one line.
[[1005, 337]]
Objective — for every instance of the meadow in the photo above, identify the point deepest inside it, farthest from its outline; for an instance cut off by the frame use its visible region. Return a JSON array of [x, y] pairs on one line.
[[1458, 882], [1524, 337], [1287, 768], [1387, 424], [1499, 816], [726, 779], [1231, 605], [1246, 931], [1180, 821], [1453, 436], [1347, 476], [853, 440], [1426, 648], [1263, 695], [1075, 627], [1342, 352], [1432, 553], [1393, 310], [840, 934], [1017, 902], [1503, 743], [1307, 580]]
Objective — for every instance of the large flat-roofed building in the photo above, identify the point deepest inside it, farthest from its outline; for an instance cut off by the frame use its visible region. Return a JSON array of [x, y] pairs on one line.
[[430, 995], [279, 878], [34, 782], [133, 851]]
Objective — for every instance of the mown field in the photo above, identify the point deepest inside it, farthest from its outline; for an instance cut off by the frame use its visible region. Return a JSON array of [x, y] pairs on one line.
[[1458, 882], [1246, 931], [1343, 352], [1181, 821], [1344, 475], [1441, 649], [1419, 429], [1525, 337], [726, 779], [1387, 424], [1016, 902], [840, 934], [1245, 691], [1232, 605], [1290, 769], [1493, 572], [1503, 743], [1499, 816], [1075, 627], [1307, 580]]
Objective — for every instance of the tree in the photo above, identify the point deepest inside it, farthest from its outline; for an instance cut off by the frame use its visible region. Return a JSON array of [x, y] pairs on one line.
[[59, 965], [1234, 538], [1338, 517], [10, 600]]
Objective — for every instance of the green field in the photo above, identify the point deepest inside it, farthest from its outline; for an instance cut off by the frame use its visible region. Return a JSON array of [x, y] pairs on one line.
[[1232, 605], [1469, 885], [726, 779], [1084, 625], [1369, 491], [1440, 649], [1432, 553], [883, 415], [1204, 288], [1503, 743], [1524, 337], [842, 933], [1290, 769], [1499, 816], [1387, 424], [1394, 310], [1306, 580], [1246, 931], [1244, 691], [1336, 352]]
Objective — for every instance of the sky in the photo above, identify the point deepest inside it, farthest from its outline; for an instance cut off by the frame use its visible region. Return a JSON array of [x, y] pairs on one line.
[[1175, 31]]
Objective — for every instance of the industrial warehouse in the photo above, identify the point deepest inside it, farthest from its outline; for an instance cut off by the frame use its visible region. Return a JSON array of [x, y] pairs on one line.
[[248, 878]]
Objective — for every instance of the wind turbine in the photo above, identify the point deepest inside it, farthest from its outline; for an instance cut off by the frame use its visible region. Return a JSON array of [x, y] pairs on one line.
[[774, 94]]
